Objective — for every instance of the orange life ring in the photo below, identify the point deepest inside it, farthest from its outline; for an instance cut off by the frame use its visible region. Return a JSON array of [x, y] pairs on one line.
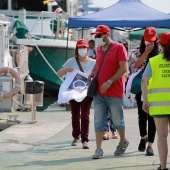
[[16, 88]]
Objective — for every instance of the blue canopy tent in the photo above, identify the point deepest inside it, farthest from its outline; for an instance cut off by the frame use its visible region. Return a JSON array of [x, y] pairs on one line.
[[125, 14]]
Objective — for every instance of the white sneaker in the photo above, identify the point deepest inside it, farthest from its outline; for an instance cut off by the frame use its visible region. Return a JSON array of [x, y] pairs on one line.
[[98, 154], [74, 143]]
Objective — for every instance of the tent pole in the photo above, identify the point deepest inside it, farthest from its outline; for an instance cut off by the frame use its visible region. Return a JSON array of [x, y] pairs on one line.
[[82, 33], [67, 45], [129, 46]]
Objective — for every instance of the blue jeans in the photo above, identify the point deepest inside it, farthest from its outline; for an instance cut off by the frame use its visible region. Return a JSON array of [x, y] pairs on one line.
[[105, 104]]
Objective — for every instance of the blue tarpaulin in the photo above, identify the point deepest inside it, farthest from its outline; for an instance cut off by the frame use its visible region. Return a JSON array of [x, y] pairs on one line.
[[125, 13]]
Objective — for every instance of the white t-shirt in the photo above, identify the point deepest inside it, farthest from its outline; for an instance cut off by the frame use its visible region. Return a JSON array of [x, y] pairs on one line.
[[87, 66], [91, 53]]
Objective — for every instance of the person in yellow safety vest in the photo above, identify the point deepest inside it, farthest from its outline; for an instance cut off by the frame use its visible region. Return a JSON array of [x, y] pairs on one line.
[[156, 95]]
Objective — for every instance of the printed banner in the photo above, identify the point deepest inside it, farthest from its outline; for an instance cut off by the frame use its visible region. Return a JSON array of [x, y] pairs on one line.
[[74, 87]]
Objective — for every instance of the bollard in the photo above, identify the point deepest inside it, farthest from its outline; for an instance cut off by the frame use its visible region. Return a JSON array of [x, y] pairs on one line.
[[34, 96]]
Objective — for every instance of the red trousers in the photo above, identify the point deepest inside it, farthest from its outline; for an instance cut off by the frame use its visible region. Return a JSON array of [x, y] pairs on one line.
[[80, 118]]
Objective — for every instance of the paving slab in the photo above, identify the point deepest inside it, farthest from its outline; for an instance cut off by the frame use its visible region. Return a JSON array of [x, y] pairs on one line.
[[47, 145]]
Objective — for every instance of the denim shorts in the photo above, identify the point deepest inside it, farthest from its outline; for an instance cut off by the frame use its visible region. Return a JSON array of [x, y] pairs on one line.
[[105, 104]]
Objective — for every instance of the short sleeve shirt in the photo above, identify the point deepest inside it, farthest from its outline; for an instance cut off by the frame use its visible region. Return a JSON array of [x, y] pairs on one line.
[[148, 71], [90, 52], [110, 66], [136, 56], [87, 66]]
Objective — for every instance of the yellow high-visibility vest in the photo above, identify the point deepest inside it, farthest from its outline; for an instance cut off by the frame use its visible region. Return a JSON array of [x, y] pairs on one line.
[[159, 86]]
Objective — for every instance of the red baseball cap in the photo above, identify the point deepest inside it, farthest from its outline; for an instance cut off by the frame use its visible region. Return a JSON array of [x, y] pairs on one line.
[[82, 42], [164, 38], [101, 29], [150, 34]]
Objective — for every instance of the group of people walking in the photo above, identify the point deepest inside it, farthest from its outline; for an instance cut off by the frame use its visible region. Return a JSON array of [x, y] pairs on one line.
[[153, 101]]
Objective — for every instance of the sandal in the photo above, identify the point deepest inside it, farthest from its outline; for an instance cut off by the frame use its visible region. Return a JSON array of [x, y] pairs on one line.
[[114, 137], [106, 135]]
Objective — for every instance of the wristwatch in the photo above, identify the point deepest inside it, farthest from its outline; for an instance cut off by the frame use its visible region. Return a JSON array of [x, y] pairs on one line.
[[109, 82]]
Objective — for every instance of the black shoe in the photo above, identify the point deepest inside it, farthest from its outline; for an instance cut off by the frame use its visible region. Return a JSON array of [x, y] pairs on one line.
[[149, 151], [142, 145], [159, 168]]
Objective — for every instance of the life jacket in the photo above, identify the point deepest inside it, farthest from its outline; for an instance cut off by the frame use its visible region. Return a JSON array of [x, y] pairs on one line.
[[159, 86]]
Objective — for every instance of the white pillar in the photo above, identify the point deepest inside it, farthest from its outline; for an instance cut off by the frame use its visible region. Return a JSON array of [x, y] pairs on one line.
[[22, 15]]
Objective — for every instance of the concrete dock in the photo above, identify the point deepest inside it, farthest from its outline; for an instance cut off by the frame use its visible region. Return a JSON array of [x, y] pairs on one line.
[[45, 145]]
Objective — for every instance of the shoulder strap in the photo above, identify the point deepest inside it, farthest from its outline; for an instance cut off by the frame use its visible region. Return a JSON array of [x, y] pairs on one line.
[[78, 62], [103, 59]]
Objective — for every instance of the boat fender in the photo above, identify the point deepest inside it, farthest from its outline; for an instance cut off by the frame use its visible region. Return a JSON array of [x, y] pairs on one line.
[[16, 88]]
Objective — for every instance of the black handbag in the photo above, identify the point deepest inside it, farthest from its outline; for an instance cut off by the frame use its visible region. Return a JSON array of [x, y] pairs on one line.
[[92, 88]]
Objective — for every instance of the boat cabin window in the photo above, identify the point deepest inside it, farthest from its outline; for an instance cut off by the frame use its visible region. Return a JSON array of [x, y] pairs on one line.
[[3, 4], [29, 5], [33, 5]]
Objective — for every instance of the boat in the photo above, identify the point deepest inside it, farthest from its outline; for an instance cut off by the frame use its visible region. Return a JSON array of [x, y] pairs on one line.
[[13, 71], [41, 25]]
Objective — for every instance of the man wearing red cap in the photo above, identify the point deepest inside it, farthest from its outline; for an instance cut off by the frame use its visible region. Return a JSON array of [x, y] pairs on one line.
[[156, 95], [109, 97]]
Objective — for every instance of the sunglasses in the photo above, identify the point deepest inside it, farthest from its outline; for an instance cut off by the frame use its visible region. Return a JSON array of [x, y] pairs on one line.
[[98, 35]]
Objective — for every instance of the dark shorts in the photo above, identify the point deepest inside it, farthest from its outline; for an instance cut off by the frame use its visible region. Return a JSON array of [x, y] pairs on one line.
[[161, 116]]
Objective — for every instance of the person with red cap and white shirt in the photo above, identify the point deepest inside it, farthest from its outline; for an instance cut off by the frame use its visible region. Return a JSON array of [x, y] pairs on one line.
[[80, 110], [156, 95], [110, 92], [148, 48]]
